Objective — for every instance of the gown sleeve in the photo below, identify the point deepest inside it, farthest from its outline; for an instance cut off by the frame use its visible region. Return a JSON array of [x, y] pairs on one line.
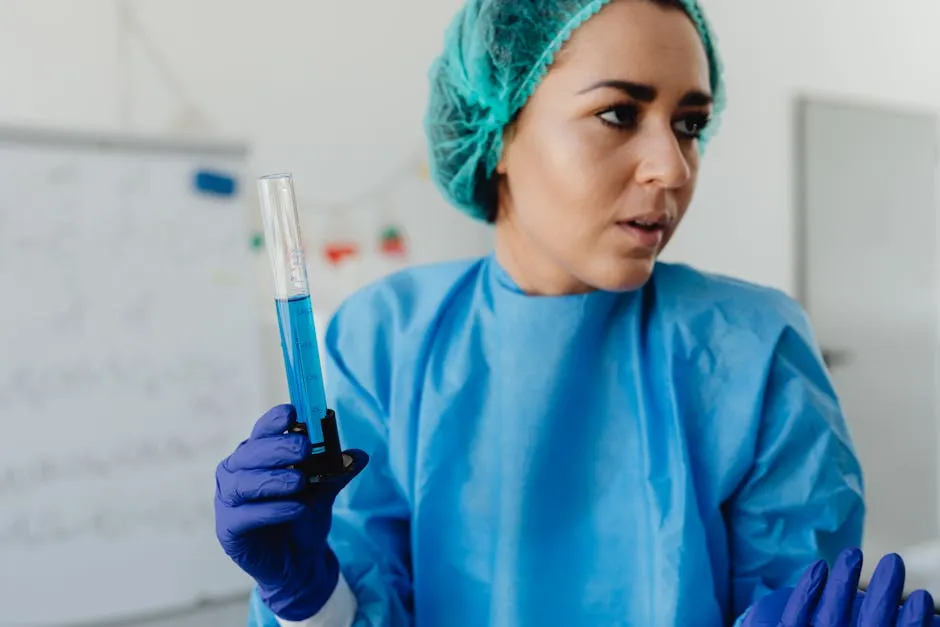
[[803, 498]]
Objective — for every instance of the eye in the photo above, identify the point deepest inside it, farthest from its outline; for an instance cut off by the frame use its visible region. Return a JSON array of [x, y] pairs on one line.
[[691, 126], [620, 117]]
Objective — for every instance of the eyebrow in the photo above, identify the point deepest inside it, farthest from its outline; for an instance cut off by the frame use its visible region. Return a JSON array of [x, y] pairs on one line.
[[648, 93]]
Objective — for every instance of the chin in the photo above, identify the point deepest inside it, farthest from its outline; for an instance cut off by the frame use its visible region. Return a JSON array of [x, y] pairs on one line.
[[623, 275]]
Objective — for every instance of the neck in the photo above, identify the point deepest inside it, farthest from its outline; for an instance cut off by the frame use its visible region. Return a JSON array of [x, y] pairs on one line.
[[529, 266]]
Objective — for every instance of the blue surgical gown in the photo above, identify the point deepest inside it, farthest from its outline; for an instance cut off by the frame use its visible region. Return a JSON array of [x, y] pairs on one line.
[[658, 457]]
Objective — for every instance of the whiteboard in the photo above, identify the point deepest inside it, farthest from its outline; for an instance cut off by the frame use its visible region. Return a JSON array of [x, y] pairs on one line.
[[129, 366]]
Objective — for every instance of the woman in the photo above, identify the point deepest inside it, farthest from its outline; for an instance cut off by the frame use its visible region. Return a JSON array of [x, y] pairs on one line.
[[564, 432]]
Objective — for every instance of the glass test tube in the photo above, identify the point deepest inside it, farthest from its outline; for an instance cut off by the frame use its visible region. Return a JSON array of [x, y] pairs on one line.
[[292, 300]]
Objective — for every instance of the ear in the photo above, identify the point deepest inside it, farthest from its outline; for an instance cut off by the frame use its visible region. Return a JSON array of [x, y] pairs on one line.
[[508, 133]]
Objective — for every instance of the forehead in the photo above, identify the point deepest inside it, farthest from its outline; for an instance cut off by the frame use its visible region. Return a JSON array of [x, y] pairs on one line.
[[638, 41]]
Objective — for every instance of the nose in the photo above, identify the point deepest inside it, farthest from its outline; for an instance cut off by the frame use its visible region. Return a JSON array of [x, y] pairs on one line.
[[663, 161]]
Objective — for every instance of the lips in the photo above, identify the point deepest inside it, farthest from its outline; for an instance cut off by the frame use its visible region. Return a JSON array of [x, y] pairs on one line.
[[653, 221], [647, 225], [646, 231]]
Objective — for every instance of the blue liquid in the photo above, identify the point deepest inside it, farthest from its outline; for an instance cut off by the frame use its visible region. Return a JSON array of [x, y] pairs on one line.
[[302, 363]]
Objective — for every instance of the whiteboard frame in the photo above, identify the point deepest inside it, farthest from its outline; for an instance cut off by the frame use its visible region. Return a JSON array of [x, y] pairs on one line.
[[111, 141]]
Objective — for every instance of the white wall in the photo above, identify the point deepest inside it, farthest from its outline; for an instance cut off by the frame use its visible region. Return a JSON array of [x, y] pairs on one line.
[[875, 51], [310, 85], [335, 90]]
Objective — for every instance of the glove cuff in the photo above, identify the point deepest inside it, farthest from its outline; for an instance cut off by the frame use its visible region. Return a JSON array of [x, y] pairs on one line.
[[305, 593]]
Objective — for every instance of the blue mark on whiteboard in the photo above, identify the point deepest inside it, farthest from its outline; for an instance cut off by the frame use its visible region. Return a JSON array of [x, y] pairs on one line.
[[215, 183]]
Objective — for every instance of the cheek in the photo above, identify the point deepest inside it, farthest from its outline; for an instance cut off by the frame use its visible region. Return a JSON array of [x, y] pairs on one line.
[[568, 173]]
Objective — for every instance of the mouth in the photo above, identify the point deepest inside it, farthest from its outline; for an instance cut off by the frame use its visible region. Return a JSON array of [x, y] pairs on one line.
[[647, 231], [645, 225]]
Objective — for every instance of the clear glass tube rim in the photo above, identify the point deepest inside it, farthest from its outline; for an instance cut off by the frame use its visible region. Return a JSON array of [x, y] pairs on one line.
[[276, 176]]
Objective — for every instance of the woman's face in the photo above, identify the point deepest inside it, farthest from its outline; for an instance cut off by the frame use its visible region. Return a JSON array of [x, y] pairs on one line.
[[600, 165]]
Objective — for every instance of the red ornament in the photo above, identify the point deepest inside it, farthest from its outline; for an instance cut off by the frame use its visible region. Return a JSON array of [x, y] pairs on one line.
[[338, 252], [393, 242]]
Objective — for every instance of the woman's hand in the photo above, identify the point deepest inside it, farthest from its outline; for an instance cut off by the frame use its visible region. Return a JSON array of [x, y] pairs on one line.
[[273, 524], [825, 598]]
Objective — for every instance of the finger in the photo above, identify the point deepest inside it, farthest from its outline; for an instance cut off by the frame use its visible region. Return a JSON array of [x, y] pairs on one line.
[[835, 604], [240, 520], [236, 488], [883, 596], [856, 607], [802, 603], [273, 451], [274, 421], [917, 611]]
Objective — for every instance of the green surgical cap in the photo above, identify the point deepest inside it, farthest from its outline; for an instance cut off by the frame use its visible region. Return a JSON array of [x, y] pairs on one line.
[[496, 53]]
